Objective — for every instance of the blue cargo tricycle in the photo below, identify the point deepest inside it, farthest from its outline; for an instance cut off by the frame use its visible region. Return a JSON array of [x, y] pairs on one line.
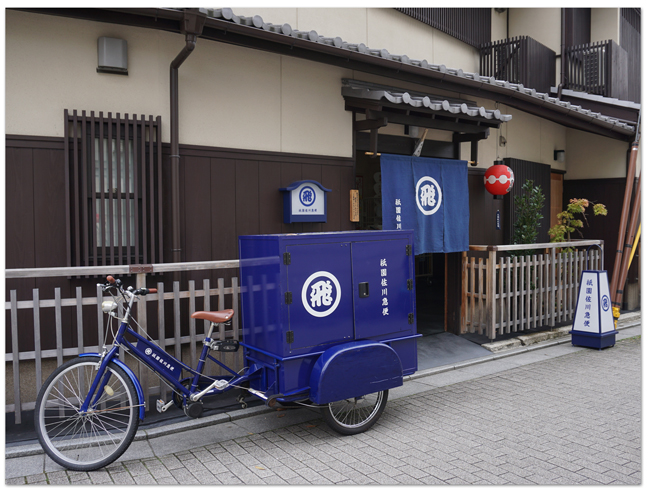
[[328, 321]]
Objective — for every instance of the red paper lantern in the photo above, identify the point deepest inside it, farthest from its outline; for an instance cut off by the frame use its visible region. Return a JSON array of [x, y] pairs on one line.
[[498, 179]]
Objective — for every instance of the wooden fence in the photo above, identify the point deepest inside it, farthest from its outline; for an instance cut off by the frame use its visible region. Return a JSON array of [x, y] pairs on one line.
[[192, 294], [505, 293]]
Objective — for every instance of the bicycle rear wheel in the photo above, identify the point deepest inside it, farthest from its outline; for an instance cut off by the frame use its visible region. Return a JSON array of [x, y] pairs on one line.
[[91, 440], [355, 415]]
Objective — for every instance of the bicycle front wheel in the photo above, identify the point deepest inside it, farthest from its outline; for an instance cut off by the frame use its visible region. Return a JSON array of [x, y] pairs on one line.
[[355, 415], [96, 438]]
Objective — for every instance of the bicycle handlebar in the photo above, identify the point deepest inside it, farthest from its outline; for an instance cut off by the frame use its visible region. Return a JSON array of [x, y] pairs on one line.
[[140, 291]]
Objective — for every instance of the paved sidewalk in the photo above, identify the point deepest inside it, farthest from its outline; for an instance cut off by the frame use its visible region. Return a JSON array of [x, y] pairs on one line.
[[551, 414]]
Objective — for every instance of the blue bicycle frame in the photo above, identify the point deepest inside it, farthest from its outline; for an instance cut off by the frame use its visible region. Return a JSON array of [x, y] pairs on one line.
[[164, 365]]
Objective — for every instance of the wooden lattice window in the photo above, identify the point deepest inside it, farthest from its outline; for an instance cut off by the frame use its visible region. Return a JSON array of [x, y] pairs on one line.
[[114, 189]]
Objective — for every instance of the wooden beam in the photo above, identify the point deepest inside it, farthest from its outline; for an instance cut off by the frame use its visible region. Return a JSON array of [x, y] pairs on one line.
[[370, 124], [435, 122]]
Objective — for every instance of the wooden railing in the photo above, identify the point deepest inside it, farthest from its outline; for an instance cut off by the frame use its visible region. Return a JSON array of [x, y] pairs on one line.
[[599, 68], [520, 60], [503, 292], [197, 298]]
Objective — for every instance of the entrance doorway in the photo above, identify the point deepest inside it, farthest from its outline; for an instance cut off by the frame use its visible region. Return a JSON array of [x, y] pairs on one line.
[[430, 282], [430, 269]]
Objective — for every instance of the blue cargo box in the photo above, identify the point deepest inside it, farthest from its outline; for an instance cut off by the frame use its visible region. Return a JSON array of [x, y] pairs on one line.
[[303, 294]]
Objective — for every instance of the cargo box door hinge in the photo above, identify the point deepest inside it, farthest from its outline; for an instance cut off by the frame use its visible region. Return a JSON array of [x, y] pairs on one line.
[[286, 258], [289, 336], [409, 284], [411, 317], [409, 249], [288, 298]]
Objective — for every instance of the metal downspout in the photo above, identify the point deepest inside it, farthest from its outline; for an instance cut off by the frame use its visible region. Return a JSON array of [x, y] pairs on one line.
[[192, 27], [562, 54], [190, 44]]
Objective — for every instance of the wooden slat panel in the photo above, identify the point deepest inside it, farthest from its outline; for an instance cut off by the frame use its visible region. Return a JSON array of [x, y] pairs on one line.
[[137, 143], [463, 300], [152, 197], [37, 338], [192, 323], [102, 194], [472, 294], [221, 306], [68, 218], [143, 185], [161, 330], [119, 152], [480, 292], [160, 189], [58, 326], [14, 352], [110, 186], [223, 227], [127, 190], [75, 188], [177, 321], [508, 326]]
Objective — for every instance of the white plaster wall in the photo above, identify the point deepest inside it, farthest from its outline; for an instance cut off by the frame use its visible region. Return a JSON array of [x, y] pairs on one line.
[[51, 65], [377, 28], [241, 98], [541, 24], [400, 34], [605, 25], [296, 105], [499, 25], [590, 156]]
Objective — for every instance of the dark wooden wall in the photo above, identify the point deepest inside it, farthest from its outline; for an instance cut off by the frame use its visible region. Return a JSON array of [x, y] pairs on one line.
[[483, 209], [540, 174], [227, 193], [224, 193], [610, 192]]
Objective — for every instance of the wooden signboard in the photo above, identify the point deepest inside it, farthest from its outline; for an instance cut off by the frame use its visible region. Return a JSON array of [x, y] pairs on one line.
[[354, 205]]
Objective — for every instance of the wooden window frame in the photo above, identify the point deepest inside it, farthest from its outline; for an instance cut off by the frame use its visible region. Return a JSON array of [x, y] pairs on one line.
[[85, 164]]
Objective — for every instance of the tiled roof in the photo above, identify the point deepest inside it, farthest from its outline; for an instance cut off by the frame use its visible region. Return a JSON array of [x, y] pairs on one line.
[[541, 99], [415, 99]]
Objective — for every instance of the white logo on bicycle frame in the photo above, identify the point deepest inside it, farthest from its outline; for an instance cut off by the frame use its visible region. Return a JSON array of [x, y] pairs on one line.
[[321, 294]]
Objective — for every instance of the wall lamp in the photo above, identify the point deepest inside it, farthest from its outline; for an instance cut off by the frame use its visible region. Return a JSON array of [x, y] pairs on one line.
[[558, 155], [112, 56]]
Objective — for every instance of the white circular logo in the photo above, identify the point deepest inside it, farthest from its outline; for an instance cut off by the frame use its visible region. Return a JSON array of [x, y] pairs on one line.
[[605, 303], [428, 195], [321, 294], [148, 351]]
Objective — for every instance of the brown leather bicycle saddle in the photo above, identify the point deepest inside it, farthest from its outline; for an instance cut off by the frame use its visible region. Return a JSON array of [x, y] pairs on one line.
[[217, 316]]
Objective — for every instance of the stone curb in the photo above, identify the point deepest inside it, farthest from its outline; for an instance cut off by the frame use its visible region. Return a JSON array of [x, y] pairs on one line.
[[555, 337], [526, 340]]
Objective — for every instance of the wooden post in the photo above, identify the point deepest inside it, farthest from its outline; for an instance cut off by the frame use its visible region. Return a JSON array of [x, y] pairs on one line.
[[553, 288], [18, 406], [143, 374], [192, 323], [463, 298], [491, 294], [622, 227], [161, 331]]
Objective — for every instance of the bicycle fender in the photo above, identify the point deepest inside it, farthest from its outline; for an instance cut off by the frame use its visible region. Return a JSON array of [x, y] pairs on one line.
[[354, 369], [129, 372]]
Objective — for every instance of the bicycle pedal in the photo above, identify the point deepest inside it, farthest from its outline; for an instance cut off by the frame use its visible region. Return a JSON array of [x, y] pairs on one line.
[[221, 384], [225, 346], [162, 407]]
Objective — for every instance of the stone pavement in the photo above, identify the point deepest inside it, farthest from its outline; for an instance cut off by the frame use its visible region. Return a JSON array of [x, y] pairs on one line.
[[559, 415]]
